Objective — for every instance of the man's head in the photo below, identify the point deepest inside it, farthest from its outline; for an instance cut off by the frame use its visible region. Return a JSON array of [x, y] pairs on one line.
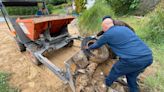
[[107, 23]]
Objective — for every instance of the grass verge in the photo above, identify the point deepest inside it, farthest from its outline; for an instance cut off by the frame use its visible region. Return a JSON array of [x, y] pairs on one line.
[[4, 86]]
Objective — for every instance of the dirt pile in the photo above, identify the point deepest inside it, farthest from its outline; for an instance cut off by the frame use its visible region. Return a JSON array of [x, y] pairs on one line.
[[89, 76]]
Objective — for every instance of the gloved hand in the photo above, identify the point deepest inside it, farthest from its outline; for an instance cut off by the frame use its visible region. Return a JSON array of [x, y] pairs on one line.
[[99, 33], [88, 53]]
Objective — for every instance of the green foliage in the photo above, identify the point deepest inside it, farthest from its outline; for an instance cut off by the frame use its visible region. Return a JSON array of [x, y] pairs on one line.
[[80, 5], [4, 87], [22, 10], [90, 20], [123, 6], [155, 26], [155, 82], [56, 2], [50, 8], [60, 9]]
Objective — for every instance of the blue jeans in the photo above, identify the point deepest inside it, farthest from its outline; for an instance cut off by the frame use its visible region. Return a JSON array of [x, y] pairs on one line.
[[131, 69]]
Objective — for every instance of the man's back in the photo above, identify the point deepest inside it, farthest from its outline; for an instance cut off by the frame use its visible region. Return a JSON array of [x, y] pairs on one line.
[[125, 43]]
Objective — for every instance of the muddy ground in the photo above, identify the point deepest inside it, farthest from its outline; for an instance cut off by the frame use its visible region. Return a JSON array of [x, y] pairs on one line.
[[28, 77]]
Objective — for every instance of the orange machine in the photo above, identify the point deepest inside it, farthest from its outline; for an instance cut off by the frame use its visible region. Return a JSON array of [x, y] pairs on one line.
[[33, 27]]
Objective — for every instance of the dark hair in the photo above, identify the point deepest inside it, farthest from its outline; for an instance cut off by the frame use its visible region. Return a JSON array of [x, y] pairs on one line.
[[121, 23], [116, 23], [105, 17]]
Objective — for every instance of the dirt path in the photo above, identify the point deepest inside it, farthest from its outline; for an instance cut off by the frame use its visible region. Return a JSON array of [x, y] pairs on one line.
[[25, 75]]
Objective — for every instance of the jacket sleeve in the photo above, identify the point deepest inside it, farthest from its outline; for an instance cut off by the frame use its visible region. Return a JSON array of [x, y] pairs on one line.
[[103, 40]]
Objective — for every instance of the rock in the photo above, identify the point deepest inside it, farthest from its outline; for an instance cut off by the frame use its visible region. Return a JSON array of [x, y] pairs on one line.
[[89, 89], [100, 87], [81, 82], [81, 71], [145, 6], [100, 55], [111, 90], [91, 68], [118, 87], [80, 60], [107, 65]]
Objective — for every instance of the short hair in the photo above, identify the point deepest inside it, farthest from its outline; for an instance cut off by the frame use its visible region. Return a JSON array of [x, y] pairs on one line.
[[105, 17]]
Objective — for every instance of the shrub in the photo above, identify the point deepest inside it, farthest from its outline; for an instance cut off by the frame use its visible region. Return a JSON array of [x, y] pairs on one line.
[[123, 6], [57, 2], [22, 10], [50, 8], [90, 20], [80, 5], [155, 26]]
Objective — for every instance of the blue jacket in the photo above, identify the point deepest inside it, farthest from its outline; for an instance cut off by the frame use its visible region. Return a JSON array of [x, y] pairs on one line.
[[123, 42]]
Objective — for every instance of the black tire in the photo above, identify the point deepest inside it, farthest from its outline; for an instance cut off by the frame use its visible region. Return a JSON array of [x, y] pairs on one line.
[[20, 46], [85, 44], [36, 61], [85, 41]]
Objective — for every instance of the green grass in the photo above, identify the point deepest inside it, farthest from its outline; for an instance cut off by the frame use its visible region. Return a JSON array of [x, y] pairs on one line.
[[4, 86], [61, 9], [90, 20], [156, 82], [58, 11]]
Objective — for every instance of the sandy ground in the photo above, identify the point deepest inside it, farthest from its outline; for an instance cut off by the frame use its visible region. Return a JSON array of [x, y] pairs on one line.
[[24, 74]]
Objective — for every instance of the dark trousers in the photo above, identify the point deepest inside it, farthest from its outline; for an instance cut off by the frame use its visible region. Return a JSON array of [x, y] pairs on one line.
[[131, 69]]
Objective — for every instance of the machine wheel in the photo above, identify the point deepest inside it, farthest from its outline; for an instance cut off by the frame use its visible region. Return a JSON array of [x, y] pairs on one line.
[[20, 46], [34, 59]]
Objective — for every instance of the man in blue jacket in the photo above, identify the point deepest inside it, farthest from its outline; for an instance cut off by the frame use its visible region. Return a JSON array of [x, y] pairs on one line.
[[134, 54]]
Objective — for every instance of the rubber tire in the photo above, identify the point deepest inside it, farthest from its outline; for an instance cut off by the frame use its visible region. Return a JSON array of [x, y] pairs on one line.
[[21, 46], [34, 59], [36, 62], [84, 43]]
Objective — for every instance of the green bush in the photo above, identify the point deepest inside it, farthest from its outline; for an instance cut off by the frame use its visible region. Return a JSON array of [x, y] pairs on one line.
[[80, 5], [56, 2], [155, 26], [90, 20], [22, 10], [50, 8], [123, 6]]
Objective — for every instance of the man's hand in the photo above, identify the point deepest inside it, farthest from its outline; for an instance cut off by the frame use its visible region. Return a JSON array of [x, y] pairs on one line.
[[99, 33], [84, 47], [88, 53]]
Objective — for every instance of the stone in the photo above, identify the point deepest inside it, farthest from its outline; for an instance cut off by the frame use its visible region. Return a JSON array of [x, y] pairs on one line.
[[91, 68], [80, 60]]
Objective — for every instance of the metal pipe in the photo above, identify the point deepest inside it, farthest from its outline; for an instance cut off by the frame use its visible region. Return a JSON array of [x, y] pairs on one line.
[[1, 6]]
